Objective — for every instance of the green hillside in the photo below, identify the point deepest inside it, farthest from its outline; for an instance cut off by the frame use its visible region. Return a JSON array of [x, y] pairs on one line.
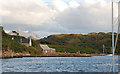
[[7, 42], [90, 43]]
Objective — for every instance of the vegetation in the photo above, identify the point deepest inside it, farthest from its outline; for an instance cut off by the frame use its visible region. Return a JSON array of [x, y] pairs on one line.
[[64, 43], [90, 43], [15, 32], [73, 49], [7, 42]]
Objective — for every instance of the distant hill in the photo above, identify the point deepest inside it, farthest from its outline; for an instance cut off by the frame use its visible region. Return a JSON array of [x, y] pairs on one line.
[[90, 43]]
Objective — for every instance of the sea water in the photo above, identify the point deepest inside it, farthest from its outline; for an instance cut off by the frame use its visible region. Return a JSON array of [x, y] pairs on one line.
[[59, 64]]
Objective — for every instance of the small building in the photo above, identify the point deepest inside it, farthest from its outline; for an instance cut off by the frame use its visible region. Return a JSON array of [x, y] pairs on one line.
[[26, 42], [46, 50]]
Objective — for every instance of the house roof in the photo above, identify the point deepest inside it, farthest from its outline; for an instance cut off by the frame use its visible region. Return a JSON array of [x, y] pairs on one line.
[[17, 40], [23, 40], [44, 47]]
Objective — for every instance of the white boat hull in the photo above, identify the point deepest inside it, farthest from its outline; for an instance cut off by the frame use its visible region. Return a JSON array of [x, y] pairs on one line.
[[109, 55]]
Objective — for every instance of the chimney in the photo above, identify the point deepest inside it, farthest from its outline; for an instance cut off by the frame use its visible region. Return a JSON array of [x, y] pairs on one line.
[[30, 42]]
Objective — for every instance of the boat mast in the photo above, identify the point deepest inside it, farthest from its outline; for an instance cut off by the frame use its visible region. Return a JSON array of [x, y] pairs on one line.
[[112, 38], [103, 48]]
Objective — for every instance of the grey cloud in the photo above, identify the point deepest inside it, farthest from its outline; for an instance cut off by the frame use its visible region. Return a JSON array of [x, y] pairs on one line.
[[85, 20], [46, 19]]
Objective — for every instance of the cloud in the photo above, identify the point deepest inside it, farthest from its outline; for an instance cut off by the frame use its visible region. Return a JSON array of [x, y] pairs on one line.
[[74, 4], [89, 16], [60, 5], [26, 12], [57, 16]]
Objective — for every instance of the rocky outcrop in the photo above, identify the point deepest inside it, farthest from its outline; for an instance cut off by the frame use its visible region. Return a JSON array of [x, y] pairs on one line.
[[8, 53], [19, 55]]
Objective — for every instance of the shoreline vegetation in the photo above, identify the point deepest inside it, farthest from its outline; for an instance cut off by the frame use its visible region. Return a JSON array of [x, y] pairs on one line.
[[66, 45]]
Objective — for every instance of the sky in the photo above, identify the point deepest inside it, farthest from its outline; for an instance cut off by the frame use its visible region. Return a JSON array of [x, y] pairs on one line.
[[46, 17]]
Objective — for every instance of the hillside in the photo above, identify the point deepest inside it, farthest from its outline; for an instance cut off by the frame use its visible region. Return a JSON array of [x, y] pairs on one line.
[[9, 45], [63, 43], [90, 43]]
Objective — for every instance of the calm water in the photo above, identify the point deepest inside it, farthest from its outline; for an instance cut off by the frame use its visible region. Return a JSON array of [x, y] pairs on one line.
[[59, 64]]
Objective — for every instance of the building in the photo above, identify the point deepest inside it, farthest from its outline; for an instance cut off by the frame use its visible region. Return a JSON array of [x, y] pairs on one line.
[[26, 42], [46, 50]]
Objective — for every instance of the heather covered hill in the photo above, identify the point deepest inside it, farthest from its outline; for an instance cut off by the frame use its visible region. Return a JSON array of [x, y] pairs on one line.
[[90, 43]]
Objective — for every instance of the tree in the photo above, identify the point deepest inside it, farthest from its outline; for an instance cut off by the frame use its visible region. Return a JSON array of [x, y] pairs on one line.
[[15, 32]]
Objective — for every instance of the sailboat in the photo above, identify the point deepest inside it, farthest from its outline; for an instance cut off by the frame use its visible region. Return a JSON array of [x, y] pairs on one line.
[[105, 54], [114, 44], [103, 49], [110, 55]]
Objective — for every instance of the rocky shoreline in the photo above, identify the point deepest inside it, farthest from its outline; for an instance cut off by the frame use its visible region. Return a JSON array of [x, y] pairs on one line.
[[43, 55], [10, 54], [47, 56]]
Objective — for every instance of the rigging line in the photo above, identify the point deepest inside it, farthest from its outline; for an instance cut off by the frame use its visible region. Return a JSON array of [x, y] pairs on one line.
[[115, 48], [117, 38], [116, 41], [116, 4], [114, 51], [116, 18], [118, 30], [116, 22], [112, 64], [110, 67]]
